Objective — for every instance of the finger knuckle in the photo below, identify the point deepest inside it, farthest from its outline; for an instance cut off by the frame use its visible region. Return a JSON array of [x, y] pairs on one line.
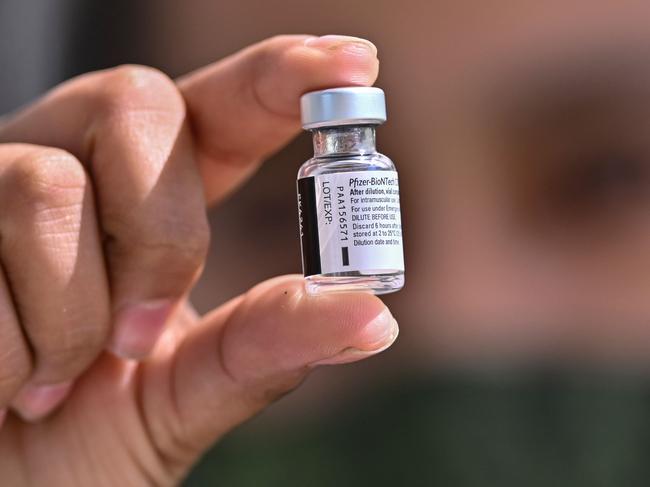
[[139, 79], [130, 87], [48, 176]]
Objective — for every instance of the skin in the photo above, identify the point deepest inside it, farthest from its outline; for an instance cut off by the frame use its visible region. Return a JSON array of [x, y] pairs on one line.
[[104, 184]]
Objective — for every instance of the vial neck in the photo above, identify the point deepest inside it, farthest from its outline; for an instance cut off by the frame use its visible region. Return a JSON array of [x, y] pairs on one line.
[[350, 139]]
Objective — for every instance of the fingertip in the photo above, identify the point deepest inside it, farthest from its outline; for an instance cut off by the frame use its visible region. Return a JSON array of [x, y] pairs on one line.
[[352, 310], [313, 63], [363, 322], [379, 333], [322, 326], [343, 61]]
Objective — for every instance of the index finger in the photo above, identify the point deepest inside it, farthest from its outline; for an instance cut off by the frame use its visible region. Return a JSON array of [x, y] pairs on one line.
[[130, 127], [245, 107]]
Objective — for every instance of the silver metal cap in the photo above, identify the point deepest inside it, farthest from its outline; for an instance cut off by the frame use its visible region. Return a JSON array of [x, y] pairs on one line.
[[343, 106]]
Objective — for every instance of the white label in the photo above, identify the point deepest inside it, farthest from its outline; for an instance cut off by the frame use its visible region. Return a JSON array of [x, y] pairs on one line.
[[359, 222]]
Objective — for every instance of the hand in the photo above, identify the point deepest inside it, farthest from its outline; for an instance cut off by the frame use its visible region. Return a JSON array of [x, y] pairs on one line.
[[103, 189]]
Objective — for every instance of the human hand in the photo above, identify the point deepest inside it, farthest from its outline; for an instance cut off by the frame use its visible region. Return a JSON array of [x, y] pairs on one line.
[[103, 188]]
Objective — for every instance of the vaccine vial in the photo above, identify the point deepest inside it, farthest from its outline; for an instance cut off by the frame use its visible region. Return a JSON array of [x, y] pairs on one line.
[[348, 196]]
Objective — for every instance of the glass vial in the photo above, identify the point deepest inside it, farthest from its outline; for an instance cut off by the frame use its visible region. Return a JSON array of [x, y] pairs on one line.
[[348, 196]]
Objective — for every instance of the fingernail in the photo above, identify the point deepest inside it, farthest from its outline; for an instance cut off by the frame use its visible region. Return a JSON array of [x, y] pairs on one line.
[[3, 416], [138, 327], [384, 327], [353, 45], [34, 402]]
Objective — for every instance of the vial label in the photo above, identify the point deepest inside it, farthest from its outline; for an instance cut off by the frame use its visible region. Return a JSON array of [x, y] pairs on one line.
[[350, 221]]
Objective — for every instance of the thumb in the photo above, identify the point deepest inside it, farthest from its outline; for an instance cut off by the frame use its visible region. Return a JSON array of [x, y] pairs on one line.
[[251, 351]]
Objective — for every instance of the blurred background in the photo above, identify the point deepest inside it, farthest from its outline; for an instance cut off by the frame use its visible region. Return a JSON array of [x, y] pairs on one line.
[[521, 133]]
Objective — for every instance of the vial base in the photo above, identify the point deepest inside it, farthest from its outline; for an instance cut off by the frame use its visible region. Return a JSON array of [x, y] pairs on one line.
[[387, 282]]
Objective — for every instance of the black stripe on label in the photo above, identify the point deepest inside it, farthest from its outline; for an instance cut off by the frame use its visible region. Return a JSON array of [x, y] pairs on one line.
[[308, 220], [345, 256]]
